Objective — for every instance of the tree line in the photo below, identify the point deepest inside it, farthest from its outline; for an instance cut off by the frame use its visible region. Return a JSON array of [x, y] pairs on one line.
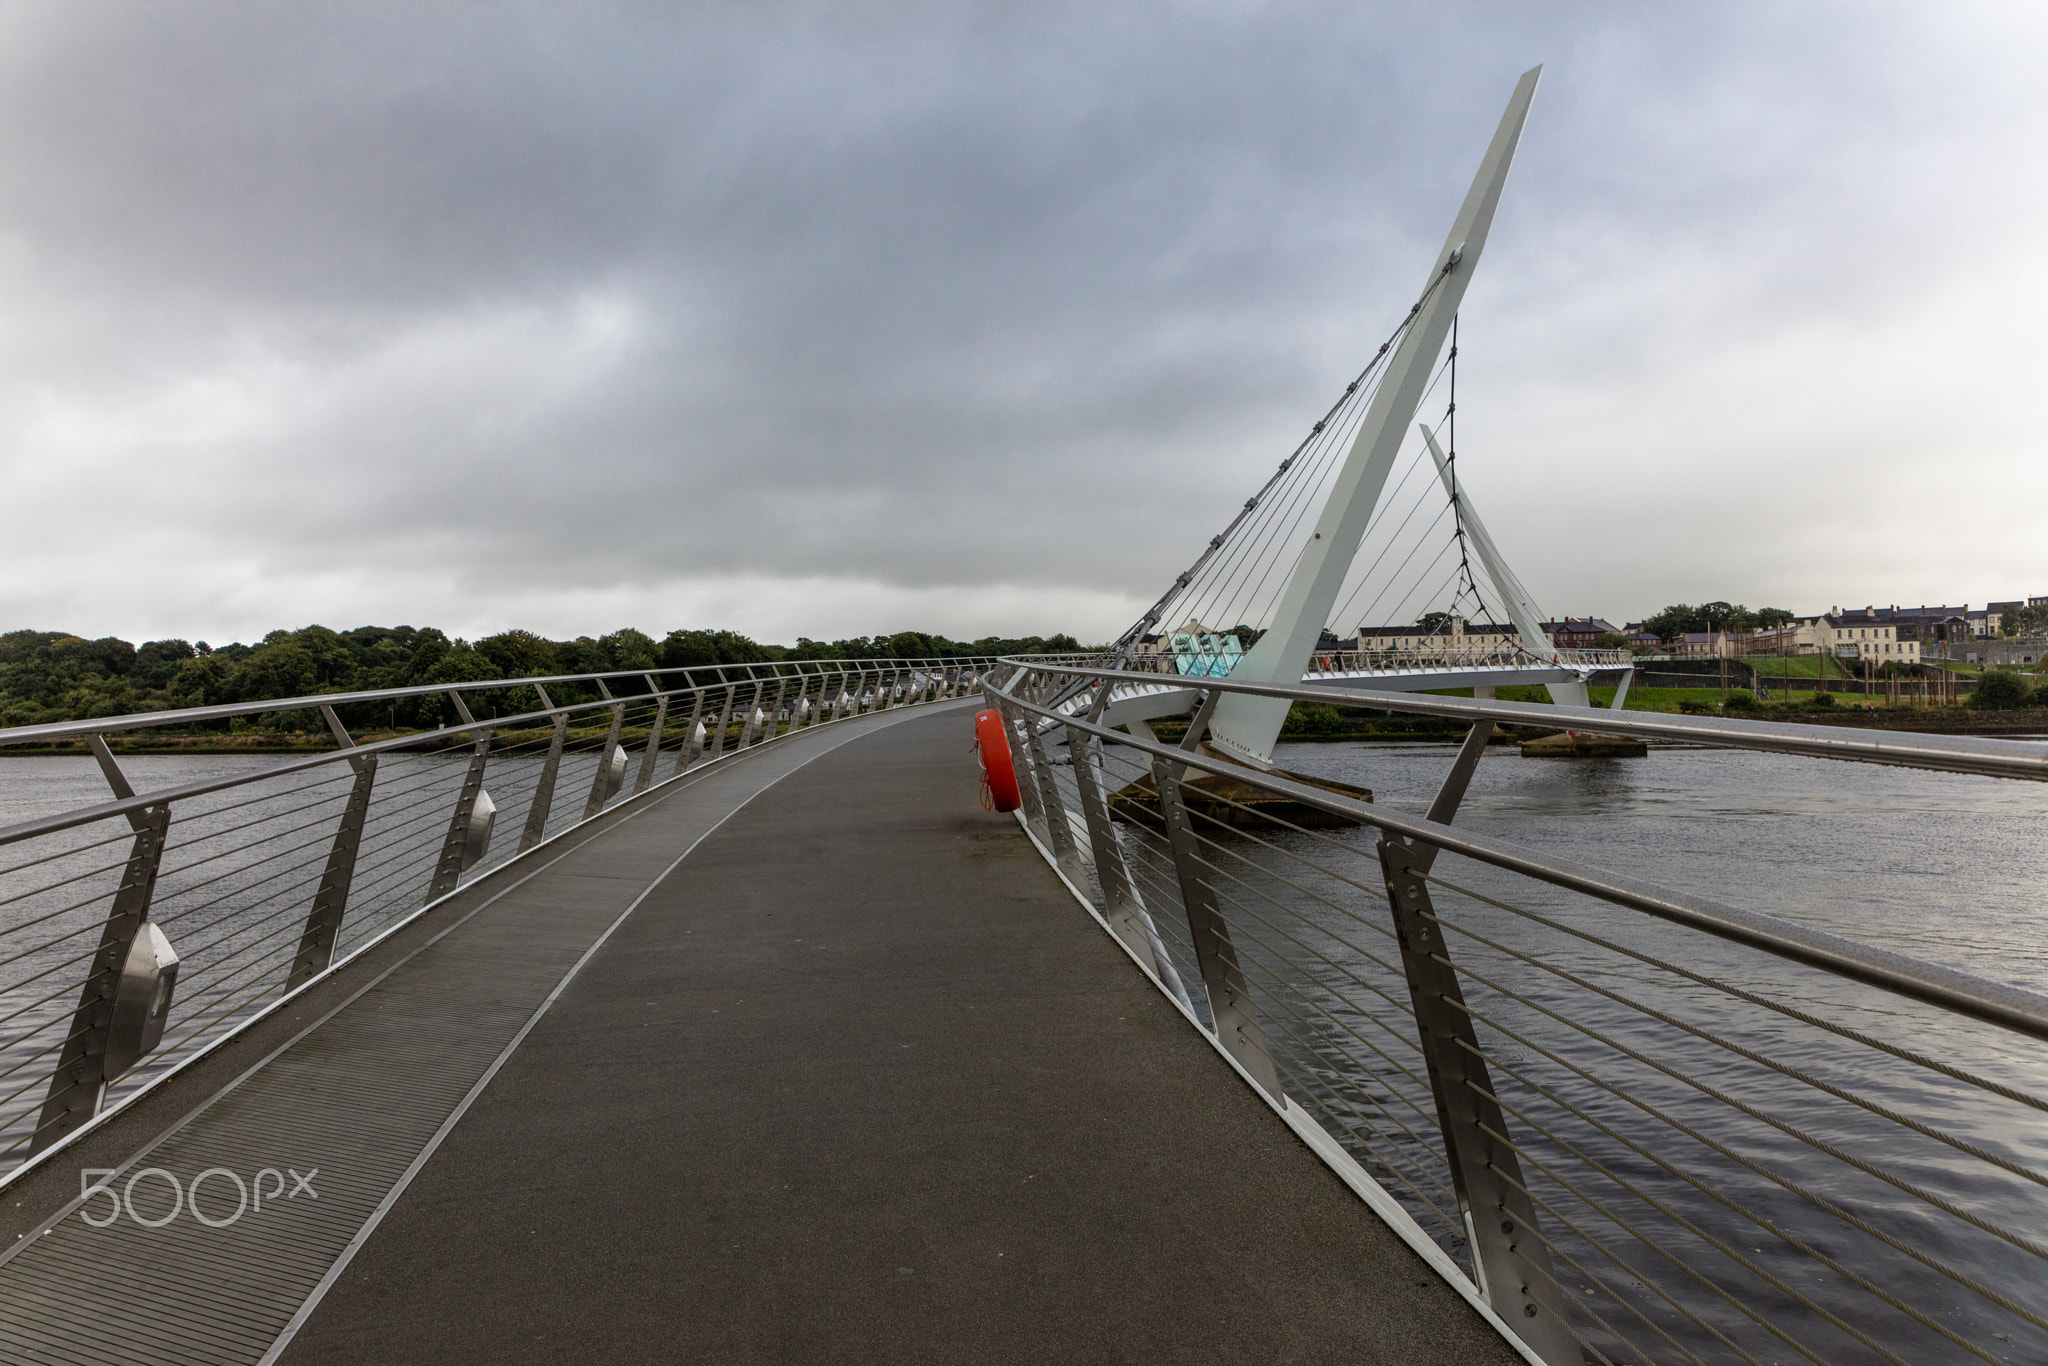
[[1684, 619], [48, 676]]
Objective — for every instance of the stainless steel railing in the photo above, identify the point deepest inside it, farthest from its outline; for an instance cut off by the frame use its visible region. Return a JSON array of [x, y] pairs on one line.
[[138, 928], [1633, 1123], [1349, 662]]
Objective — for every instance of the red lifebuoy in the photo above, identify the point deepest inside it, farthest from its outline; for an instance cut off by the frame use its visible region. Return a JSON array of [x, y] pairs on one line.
[[998, 772]]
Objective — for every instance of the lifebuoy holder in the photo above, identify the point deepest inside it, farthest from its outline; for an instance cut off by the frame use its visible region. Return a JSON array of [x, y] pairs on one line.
[[998, 770]]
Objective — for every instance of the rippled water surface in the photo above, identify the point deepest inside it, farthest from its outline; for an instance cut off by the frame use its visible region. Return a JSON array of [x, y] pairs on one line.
[[1941, 866], [1949, 869]]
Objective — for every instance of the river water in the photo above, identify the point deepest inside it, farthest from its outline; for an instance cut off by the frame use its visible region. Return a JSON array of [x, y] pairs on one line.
[[1941, 866], [1947, 868]]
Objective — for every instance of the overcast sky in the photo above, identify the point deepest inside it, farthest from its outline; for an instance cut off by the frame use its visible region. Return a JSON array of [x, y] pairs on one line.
[[846, 318]]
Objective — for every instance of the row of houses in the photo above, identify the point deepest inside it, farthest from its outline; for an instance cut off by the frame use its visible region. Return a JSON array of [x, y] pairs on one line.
[[1882, 635]]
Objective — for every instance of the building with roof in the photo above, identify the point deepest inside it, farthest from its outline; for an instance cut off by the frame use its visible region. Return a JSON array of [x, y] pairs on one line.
[[1579, 633]]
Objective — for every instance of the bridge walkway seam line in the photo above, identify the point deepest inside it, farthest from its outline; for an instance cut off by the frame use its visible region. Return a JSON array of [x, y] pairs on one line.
[[176, 1126], [391, 1197], [862, 1032], [219, 1339], [589, 830], [584, 832]]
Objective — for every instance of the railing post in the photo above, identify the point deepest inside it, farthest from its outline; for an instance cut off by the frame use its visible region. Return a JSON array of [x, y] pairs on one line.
[[604, 783], [330, 898], [1122, 906], [750, 725], [544, 790], [1230, 1002], [724, 719], [1058, 833], [693, 745], [775, 708], [471, 805], [1027, 772], [1509, 1261], [645, 778], [79, 1083]]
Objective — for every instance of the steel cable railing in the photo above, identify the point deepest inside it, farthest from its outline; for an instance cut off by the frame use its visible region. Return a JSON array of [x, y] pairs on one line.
[[263, 872], [1644, 1126]]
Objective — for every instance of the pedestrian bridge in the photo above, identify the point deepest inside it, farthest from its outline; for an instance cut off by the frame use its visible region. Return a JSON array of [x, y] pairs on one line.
[[766, 1041], [706, 1014]]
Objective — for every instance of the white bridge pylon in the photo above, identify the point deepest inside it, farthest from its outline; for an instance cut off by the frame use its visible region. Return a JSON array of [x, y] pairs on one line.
[[1246, 727]]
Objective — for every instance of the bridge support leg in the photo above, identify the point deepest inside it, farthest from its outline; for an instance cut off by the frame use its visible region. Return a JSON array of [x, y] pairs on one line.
[[1230, 1001], [79, 1084], [1628, 676], [1445, 807], [330, 898], [1510, 1263]]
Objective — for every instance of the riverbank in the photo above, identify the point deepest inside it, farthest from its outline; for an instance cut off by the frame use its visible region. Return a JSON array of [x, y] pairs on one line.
[[1922, 720]]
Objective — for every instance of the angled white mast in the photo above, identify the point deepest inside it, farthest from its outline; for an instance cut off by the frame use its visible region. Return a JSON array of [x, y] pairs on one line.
[[1520, 610], [1244, 726]]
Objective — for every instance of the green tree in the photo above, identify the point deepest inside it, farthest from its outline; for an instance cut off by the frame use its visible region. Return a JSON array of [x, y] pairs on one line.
[[1673, 622], [157, 663], [1433, 623], [519, 654], [2025, 621], [627, 648], [1999, 691], [1312, 718]]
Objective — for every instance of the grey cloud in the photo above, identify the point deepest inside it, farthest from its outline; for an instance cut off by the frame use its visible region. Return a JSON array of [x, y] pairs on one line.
[[918, 296]]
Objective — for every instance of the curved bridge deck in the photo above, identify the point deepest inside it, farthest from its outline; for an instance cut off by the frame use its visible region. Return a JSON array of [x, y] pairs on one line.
[[801, 1058]]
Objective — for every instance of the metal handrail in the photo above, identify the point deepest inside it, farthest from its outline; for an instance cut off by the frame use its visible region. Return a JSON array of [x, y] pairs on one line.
[[1980, 755], [1980, 998], [44, 825], [1451, 656], [104, 725], [1579, 1096], [264, 899]]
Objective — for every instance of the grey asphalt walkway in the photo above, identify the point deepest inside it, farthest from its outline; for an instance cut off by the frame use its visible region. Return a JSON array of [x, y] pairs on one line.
[[860, 1082]]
